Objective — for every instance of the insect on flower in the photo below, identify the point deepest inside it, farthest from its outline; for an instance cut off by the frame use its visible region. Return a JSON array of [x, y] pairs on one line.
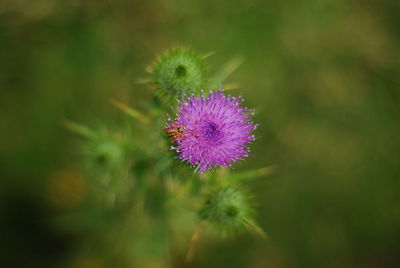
[[174, 132], [217, 130]]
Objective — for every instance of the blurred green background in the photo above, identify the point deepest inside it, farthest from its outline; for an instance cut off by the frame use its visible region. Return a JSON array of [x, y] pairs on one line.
[[323, 76]]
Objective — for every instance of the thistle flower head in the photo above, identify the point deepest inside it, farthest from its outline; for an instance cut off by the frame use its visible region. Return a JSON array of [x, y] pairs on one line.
[[228, 210], [211, 131], [178, 71]]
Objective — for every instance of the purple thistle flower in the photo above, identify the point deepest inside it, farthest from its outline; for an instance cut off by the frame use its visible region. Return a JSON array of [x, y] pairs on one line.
[[211, 131]]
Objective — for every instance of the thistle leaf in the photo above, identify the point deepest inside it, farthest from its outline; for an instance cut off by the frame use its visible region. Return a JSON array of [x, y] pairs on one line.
[[253, 174], [225, 72], [79, 129], [131, 112]]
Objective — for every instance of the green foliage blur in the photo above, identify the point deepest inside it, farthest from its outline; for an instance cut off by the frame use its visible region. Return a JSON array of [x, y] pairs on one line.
[[322, 75]]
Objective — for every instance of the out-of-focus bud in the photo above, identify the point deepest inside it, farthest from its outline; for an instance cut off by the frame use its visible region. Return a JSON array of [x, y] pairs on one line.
[[105, 152]]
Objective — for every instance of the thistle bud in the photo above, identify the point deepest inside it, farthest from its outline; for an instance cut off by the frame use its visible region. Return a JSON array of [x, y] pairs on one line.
[[178, 71], [100, 148], [106, 152], [228, 210]]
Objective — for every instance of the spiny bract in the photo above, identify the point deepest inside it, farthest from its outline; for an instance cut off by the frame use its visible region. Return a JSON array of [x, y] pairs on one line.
[[228, 209], [178, 71]]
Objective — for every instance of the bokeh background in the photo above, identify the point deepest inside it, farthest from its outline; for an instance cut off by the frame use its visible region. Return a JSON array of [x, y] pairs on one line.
[[323, 76]]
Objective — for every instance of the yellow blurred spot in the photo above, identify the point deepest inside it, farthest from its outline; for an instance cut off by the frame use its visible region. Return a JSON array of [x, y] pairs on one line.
[[66, 188]]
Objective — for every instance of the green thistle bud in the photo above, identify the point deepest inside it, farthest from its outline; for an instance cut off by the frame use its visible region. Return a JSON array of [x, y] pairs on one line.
[[106, 152], [106, 159], [178, 71], [101, 149], [228, 210]]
